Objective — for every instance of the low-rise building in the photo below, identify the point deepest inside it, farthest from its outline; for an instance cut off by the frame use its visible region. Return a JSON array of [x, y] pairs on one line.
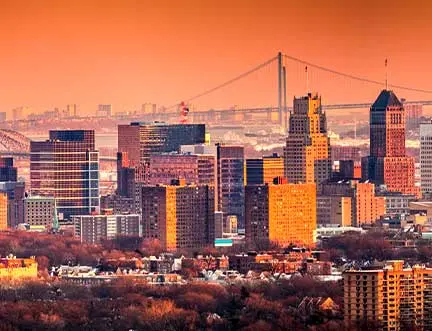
[[39, 210], [12, 268]]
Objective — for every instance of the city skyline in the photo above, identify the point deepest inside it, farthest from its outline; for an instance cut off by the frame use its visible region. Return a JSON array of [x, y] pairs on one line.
[[105, 52]]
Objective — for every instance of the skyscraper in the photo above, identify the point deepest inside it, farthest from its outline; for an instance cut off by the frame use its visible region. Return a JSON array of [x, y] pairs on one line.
[[281, 213], [307, 152], [388, 164], [140, 140], [180, 216], [230, 181], [66, 167], [426, 159]]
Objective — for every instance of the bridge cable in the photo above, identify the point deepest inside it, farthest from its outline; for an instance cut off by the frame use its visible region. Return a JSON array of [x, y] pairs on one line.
[[218, 87], [362, 79]]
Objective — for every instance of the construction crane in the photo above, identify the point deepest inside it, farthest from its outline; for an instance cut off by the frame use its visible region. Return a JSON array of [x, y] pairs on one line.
[[184, 111]]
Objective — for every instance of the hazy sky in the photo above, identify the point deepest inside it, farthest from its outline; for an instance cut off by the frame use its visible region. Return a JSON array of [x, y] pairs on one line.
[[130, 52]]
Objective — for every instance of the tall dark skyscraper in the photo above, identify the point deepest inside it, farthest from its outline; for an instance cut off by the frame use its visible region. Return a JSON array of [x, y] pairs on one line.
[[388, 164], [230, 181], [66, 167], [140, 140], [387, 126]]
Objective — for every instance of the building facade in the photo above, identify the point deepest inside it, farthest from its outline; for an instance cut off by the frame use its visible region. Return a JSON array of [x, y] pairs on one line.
[[66, 167], [388, 164], [15, 192], [281, 213], [39, 211], [230, 181], [264, 170], [395, 297], [198, 169], [8, 173], [334, 210], [92, 229], [307, 152], [180, 216], [3, 211], [366, 206], [426, 159], [140, 140], [414, 112]]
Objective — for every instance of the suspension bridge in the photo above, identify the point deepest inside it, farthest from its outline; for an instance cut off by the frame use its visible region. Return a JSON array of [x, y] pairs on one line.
[[14, 143], [284, 62]]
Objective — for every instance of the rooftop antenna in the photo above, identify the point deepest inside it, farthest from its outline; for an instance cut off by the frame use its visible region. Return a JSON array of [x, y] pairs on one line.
[[386, 75], [307, 80]]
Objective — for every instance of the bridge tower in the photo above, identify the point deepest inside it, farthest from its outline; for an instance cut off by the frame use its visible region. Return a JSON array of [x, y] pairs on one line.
[[282, 105]]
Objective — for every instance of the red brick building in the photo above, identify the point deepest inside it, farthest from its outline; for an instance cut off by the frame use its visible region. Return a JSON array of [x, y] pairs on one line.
[[388, 164]]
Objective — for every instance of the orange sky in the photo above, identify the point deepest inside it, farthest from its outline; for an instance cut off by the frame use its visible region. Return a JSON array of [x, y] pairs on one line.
[[130, 52]]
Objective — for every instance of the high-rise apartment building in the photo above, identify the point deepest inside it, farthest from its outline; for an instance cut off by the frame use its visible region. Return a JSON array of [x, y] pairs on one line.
[[230, 181], [180, 216], [426, 159], [334, 210], [127, 176], [366, 206], [280, 213], [388, 164], [307, 152], [140, 140], [66, 167], [396, 297], [264, 170], [92, 229]]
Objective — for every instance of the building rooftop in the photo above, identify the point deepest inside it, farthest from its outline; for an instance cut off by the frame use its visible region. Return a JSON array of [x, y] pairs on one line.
[[386, 99]]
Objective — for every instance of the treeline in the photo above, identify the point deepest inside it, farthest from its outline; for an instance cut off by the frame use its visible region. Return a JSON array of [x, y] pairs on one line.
[[134, 305], [375, 245], [51, 249]]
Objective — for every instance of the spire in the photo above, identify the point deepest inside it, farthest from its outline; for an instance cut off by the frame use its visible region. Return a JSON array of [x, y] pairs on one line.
[[307, 80]]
